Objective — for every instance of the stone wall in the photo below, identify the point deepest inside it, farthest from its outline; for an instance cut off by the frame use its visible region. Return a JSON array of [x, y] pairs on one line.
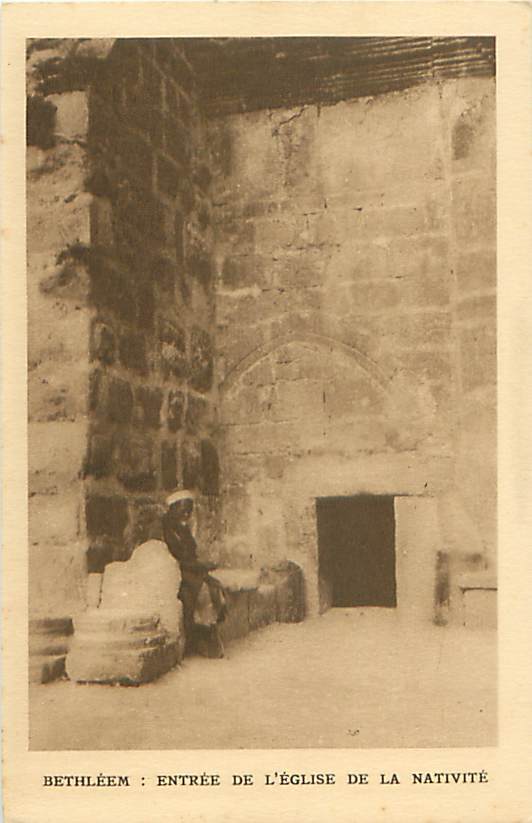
[[356, 319], [345, 255], [121, 308]]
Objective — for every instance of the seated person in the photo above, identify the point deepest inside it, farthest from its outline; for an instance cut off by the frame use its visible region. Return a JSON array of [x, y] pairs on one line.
[[194, 575]]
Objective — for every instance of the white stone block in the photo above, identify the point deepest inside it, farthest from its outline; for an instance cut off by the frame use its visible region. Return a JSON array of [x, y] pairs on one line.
[[119, 646], [147, 582]]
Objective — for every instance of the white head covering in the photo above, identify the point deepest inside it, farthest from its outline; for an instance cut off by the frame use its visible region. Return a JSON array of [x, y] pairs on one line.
[[182, 494]]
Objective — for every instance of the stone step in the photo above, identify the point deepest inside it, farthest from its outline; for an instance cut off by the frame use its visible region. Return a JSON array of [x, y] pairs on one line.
[[49, 640], [45, 668]]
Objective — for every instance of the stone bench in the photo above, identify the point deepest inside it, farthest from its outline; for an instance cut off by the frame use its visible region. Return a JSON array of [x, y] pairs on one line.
[[257, 598], [479, 600], [136, 632]]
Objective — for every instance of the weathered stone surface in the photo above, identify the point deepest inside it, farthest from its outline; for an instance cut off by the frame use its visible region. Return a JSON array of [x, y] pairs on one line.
[[173, 347], [148, 581], [149, 406], [238, 580], [94, 590], [102, 550], [132, 349], [118, 200], [478, 592], [106, 516], [210, 466], [49, 640], [236, 624], [176, 408], [288, 580], [119, 401], [169, 464], [201, 363], [100, 455], [114, 646], [262, 606], [103, 343], [136, 463], [145, 522], [197, 413], [191, 465]]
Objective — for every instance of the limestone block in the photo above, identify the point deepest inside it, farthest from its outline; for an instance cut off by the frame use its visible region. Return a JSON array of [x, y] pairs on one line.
[[480, 608], [479, 600], [49, 639], [238, 580], [262, 606], [119, 646], [287, 578], [238, 585], [72, 115], [236, 624], [147, 582]]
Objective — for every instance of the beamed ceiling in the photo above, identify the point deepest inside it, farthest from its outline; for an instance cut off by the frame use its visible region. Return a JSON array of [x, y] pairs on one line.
[[244, 74]]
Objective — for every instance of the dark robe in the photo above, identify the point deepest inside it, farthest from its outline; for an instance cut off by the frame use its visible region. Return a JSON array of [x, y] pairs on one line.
[[194, 573]]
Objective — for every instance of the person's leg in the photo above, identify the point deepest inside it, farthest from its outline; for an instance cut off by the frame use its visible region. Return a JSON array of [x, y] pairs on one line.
[[218, 598], [187, 595]]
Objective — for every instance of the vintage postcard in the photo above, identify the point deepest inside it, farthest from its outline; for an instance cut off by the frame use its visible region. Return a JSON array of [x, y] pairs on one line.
[[265, 332]]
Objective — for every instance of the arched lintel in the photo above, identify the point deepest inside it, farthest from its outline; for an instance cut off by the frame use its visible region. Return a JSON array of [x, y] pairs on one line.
[[323, 342]]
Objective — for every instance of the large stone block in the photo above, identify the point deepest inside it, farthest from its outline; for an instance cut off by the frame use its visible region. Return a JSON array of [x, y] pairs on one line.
[[173, 347], [476, 270], [210, 468], [114, 646], [145, 522], [192, 468], [149, 406], [133, 352], [478, 346], [55, 518], [72, 114], [197, 413], [262, 606], [55, 452], [103, 343], [119, 401], [106, 516], [287, 578], [238, 585], [136, 465], [201, 363], [474, 210], [57, 575], [478, 600], [99, 460], [175, 410], [236, 624], [148, 583]]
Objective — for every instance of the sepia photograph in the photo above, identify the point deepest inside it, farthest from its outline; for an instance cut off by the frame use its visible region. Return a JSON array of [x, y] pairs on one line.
[[262, 392]]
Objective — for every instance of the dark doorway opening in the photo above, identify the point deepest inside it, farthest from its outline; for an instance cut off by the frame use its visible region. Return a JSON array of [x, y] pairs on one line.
[[356, 551]]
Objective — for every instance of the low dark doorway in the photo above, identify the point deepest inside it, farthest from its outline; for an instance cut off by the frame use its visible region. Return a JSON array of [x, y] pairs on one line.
[[356, 548]]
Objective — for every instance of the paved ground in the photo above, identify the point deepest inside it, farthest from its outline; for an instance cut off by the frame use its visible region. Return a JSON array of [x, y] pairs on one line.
[[351, 678]]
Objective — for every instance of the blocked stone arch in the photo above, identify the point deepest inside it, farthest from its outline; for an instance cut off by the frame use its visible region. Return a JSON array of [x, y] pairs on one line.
[[305, 416], [235, 373], [402, 396]]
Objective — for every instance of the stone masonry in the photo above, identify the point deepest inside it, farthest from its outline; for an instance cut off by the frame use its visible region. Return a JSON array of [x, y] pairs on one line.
[[356, 320], [267, 291], [121, 305]]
